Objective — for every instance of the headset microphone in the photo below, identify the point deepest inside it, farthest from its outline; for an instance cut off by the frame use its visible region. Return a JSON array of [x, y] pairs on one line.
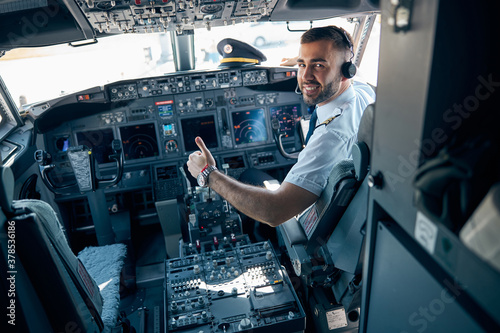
[[297, 90]]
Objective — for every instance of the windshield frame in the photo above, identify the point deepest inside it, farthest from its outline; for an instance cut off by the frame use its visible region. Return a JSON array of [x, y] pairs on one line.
[[9, 113]]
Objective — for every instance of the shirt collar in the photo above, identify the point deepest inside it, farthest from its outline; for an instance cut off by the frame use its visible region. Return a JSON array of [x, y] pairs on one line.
[[336, 106]]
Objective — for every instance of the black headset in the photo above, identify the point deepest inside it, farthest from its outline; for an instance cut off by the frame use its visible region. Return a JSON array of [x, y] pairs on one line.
[[348, 69]]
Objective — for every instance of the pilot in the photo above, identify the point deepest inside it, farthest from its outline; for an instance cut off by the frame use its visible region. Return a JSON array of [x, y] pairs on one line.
[[324, 78]]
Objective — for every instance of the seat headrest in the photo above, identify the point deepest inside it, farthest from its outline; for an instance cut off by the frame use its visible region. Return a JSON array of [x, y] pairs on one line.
[[365, 131], [361, 149]]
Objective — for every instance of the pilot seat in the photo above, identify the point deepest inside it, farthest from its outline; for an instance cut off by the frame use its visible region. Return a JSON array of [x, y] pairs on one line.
[[325, 243], [48, 288]]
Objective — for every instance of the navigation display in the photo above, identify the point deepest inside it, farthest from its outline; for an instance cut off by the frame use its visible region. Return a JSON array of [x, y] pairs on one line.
[[99, 141], [139, 141], [203, 127], [288, 116], [249, 126]]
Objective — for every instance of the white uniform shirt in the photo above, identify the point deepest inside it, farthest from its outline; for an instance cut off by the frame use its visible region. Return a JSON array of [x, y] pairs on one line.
[[332, 143]]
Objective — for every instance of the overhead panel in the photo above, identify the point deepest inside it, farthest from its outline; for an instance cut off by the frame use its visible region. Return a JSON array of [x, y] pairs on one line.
[[140, 16]]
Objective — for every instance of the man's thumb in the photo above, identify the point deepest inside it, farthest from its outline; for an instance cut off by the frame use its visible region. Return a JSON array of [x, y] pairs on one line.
[[201, 145]]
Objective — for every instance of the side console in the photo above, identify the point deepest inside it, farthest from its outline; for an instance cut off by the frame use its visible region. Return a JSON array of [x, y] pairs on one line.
[[237, 288]]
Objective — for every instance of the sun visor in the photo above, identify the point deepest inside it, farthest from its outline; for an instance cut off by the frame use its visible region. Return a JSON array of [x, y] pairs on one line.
[[29, 23]]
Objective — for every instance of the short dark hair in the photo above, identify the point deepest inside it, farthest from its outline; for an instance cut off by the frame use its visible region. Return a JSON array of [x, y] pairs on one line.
[[332, 33]]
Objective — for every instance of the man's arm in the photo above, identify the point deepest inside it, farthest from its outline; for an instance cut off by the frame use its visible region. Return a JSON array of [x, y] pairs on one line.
[[271, 207]]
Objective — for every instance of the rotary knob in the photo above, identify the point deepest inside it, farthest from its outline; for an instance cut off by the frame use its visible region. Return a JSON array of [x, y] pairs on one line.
[[245, 324]]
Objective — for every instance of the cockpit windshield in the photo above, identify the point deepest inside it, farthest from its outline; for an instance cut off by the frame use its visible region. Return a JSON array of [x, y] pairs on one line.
[[36, 74]]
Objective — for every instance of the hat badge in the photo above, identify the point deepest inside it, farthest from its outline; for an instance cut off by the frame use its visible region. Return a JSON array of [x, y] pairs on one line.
[[228, 48]]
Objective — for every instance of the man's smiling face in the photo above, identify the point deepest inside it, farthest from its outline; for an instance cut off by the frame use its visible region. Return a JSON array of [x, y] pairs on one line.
[[319, 75]]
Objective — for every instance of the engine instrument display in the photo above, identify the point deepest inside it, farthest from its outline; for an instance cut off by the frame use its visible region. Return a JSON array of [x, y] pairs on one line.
[[139, 141], [99, 141], [288, 116], [203, 127], [249, 126]]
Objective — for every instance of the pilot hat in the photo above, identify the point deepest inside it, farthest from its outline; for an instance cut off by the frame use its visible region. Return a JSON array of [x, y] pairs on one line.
[[236, 53]]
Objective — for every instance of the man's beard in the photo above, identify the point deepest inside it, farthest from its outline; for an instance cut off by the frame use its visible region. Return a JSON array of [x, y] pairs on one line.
[[325, 94]]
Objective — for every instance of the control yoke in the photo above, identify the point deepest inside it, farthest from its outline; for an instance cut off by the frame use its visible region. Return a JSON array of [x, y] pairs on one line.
[[275, 125], [84, 166]]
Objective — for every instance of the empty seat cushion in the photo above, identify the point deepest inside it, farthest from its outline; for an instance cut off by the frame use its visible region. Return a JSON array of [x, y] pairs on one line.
[[53, 229], [104, 264]]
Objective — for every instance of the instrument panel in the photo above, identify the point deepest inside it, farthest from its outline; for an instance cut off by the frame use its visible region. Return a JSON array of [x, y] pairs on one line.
[[157, 121]]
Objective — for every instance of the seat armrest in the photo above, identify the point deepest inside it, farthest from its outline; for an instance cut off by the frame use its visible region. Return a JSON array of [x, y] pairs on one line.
[[293, 233]]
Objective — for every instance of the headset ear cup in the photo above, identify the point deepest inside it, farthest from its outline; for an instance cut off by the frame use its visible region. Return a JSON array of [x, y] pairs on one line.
[[348, 70]]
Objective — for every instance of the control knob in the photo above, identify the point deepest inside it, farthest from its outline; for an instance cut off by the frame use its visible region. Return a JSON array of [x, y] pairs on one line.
[[245, 324]]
